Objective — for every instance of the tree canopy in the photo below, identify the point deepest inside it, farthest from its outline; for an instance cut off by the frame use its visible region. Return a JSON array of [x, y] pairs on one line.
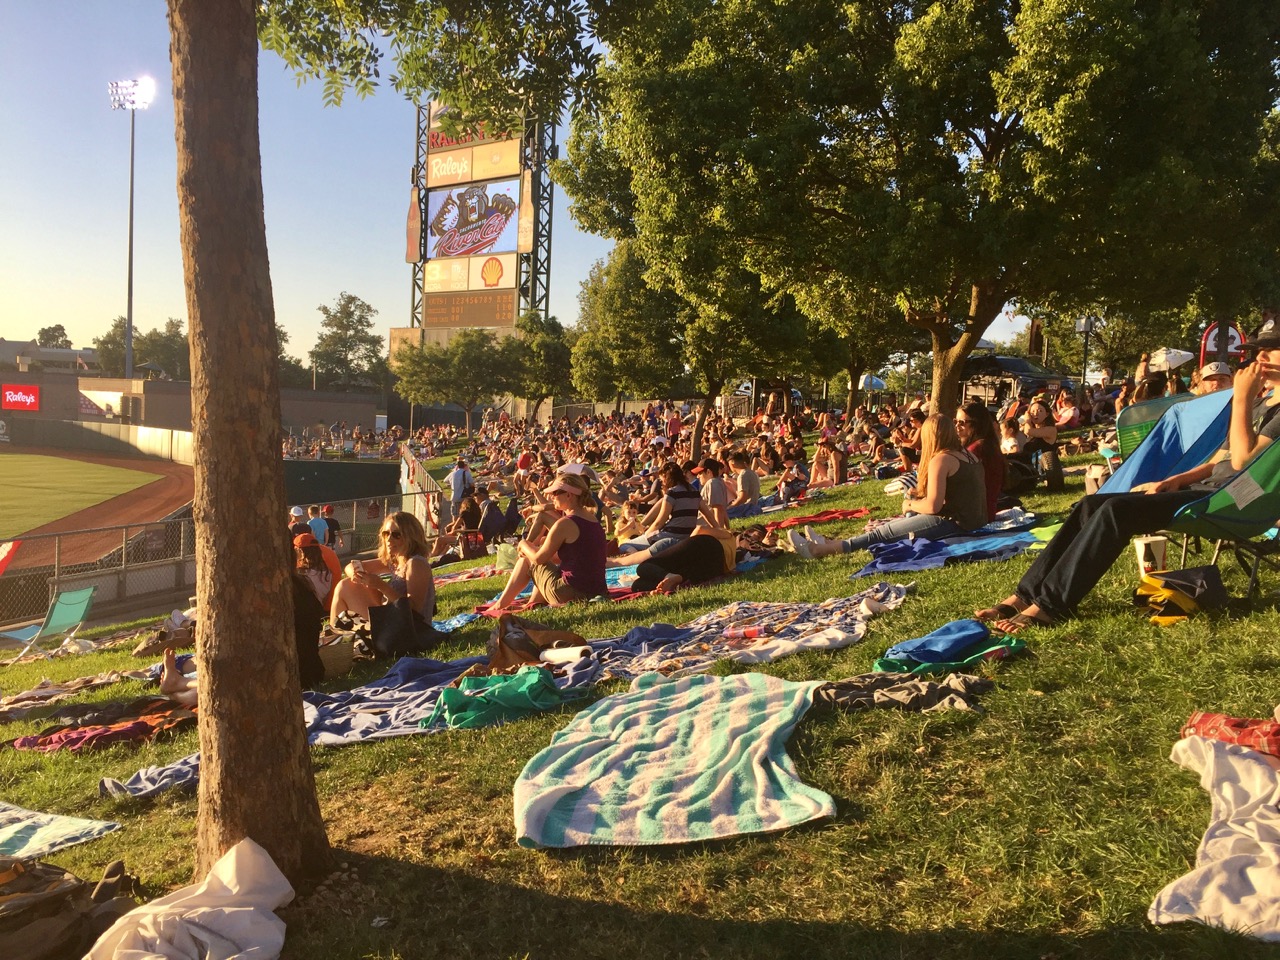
[[472, 369], [347, 351], [54, 336]]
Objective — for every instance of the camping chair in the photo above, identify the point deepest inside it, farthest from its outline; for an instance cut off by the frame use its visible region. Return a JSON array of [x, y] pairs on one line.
[[1245, 509], [1137, 420], [68, 611], [1185, 435]]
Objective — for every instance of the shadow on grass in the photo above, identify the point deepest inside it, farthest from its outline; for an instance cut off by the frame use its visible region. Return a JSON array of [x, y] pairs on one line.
[[427, 911]]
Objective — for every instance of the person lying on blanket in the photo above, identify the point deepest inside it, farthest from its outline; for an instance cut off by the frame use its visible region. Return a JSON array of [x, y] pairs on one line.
[[1101, 526], [567, 563]]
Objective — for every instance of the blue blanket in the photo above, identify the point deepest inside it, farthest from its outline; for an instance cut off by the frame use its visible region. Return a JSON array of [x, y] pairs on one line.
[[921, 554]]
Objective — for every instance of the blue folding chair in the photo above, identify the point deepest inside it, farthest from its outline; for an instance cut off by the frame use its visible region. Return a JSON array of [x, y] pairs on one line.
[[70, 609]]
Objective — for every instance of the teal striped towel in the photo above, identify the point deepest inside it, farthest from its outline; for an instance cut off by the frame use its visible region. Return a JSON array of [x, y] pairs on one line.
[[672, 761]]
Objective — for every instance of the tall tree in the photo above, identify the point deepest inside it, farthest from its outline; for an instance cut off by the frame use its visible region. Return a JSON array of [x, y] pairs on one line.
[[54, 336], [168, 348], [291, 371], [255, 778], [110, 347], [472, 369], [547, 350], [347, 349]]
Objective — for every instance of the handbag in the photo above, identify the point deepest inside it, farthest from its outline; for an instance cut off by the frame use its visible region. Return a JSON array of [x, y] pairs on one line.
[[397, 630]]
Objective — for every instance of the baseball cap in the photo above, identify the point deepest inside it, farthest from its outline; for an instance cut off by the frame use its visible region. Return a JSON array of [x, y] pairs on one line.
[[305, 540], [1266, 337], [328, 508], [297, 512], [1215, 369], [710, 463]]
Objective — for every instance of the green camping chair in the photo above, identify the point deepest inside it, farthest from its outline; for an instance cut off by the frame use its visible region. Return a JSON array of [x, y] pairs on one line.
[[1242, 514], [1135, 421], [70, 608]]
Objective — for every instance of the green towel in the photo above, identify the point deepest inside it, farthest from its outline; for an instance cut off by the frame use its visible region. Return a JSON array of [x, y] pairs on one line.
[[485, 701]]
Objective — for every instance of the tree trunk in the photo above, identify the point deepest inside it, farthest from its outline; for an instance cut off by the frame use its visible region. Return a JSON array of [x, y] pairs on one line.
[[533, 414], [468, 411], [985, 300], [255, 770], [695, 444]]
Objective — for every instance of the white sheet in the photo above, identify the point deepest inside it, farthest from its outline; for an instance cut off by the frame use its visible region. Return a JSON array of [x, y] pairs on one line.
[[1236, 880], [226, 917]]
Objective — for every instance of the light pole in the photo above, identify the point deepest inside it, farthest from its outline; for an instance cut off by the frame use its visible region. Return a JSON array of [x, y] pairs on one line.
[[1085, 325], [131, 95]]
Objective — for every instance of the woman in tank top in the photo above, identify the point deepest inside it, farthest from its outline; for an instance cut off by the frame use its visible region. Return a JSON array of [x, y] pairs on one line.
[[951, 497], [576, 540]]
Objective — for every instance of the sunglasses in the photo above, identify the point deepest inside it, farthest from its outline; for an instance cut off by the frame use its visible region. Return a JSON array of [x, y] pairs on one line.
[[391, 534]]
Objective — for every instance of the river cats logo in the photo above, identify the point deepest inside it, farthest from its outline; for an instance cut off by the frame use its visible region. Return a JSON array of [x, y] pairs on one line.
[[471, 222]]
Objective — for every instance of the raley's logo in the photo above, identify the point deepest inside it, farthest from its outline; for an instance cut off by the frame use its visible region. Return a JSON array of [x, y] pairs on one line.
[[23, 397]]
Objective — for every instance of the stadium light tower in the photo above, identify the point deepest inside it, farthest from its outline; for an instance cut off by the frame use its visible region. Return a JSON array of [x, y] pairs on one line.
[[131, 95]]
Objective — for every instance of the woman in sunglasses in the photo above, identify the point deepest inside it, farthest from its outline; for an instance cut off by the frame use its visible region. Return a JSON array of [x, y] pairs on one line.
[[402, 553]]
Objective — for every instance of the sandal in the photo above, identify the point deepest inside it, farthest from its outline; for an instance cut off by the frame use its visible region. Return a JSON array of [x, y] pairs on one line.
[[1019, 622], [1001, 611]]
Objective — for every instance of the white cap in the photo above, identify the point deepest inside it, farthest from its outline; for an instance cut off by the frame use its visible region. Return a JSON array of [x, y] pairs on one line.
[[297, 512], [1216, 369]]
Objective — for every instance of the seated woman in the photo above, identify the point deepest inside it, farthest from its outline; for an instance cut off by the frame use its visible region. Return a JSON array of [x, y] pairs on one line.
[[1066, 414], [977, 430], [402, 553], [576, 540], [318, 566], [674, 517], [1041, 431], [951, 497]]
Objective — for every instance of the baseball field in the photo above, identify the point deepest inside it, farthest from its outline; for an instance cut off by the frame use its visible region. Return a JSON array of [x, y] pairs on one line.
[[36, 490]]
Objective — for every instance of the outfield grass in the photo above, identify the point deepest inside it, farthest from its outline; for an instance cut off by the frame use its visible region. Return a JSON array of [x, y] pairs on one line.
[[35, 490], [1040, 829]]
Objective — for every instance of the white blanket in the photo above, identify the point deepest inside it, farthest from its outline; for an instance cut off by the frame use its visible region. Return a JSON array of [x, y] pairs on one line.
[[226, 917], [1236, 880]]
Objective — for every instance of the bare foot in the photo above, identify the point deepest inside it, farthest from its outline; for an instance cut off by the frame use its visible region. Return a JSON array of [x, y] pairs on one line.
[[669, 583], [172, 680]]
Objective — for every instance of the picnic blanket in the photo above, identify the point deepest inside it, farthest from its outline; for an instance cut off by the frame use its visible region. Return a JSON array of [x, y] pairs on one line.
[[672, 761], [472, 573], [396, 704], [27, 834], [825, 516], [1235, 883], [922, 554]]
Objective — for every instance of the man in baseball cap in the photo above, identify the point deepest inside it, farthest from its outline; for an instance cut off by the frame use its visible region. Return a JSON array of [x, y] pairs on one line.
[[298, 522], [1214, 377]]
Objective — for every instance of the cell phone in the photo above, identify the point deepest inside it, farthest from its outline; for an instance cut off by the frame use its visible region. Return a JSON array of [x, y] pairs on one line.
[[357, 566]]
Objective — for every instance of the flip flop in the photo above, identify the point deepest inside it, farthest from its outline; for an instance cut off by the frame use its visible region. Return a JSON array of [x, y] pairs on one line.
[[1002, 611], [1016, 624]]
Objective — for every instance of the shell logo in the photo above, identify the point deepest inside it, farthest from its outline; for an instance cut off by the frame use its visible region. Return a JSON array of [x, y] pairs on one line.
[[491, 272]]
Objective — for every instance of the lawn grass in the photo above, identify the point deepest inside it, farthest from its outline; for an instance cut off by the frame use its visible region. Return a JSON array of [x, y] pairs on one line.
[[35, 490], [1042, 828]]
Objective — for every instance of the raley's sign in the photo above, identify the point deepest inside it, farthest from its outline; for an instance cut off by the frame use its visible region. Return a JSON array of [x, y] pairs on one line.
[[20, 397]]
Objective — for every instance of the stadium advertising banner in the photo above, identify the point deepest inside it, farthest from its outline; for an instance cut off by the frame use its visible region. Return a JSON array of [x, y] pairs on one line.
[[480, 218], [495, 271], [437, 139], [450, 166], [496, 308], [24, 396]]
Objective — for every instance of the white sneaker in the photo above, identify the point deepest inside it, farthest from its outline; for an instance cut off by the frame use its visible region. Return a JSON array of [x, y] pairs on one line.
[[813, 535], [799, 544]]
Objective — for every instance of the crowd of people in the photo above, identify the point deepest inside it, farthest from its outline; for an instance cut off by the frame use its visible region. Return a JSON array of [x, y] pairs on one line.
[[611, 490]]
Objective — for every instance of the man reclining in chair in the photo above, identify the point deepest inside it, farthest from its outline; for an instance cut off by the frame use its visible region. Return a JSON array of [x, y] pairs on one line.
[[1100, 527]]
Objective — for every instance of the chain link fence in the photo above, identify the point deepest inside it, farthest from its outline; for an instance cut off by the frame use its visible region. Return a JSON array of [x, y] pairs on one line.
[[138, 564]]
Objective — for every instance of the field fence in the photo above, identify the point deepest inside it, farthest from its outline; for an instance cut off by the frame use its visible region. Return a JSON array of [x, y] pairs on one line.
[[137, 564]]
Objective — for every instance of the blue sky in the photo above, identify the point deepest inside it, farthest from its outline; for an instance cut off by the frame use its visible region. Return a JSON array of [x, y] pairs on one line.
[[336, 183]]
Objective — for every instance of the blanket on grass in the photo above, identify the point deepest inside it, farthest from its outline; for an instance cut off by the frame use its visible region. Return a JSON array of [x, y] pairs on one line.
[[396, 704], [672, 761], [922, 554], [1235, 883], [27, 835], [825, 516]]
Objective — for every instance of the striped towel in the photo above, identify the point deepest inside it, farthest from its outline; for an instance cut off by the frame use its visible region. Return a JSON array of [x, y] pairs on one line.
[[672, 761]]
